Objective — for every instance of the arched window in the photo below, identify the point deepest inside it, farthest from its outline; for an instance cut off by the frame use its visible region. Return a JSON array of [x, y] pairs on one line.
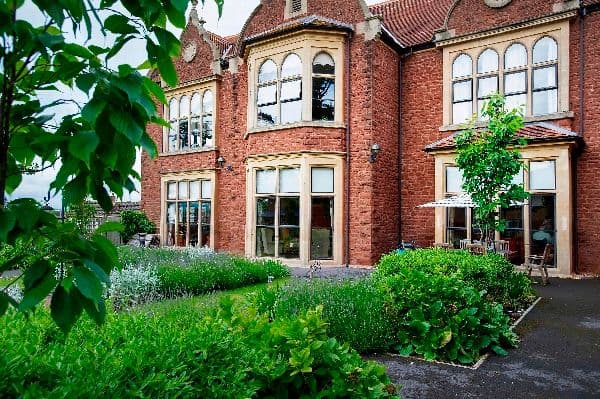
[[266, 96], [173, 120], [195, 120], [462, 88], [207, 119], [323, 107], [545, 76], [291, 89], [184, 113], [487, 77], [515, 77]]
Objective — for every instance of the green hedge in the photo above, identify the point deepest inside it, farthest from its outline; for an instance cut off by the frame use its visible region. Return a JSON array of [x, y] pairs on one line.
[[233, 353], [354, 310], [490, 273]]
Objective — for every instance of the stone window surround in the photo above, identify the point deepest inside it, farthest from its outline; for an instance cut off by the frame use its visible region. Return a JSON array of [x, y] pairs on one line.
[[189, 90], [304, 160], [191, 176], [561, 154], [306, 45], [559, 31]]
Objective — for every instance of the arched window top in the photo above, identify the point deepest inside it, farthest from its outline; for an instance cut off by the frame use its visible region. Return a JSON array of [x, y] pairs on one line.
[[267, 71], [207, 102], [487, 61], [545, 50], [515, 56], [462, 66], [173, 109], [323, 64], [196, 104], [184, 106], [292, 66]]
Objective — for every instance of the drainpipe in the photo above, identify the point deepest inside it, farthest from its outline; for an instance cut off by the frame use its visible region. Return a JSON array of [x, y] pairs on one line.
[[399, 148], [348, 130]]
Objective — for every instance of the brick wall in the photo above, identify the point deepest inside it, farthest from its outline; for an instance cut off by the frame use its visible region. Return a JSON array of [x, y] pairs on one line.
[[421, 115]]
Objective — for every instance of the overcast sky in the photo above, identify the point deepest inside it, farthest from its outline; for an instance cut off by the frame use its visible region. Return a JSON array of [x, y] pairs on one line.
[[235, 13]]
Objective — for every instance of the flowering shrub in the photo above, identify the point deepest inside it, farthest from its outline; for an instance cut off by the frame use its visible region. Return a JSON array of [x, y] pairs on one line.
[[134, 285]]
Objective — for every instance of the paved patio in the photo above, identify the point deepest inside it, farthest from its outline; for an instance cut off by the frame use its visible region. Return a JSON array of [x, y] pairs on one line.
[[559, 356]]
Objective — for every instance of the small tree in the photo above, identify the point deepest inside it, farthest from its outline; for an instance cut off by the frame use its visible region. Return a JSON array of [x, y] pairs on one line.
[[135, 222], [489, 159]]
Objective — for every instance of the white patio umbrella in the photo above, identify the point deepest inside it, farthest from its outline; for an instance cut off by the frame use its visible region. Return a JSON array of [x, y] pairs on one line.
[[456, 201]]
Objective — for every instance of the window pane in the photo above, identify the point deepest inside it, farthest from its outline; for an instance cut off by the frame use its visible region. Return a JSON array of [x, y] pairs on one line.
[[515, 56], [292, 66], [323, 99], [463, 90], [171, 215], [183, 134], [173, 109], [181, 239], [291, 90], [196, 104], [542, 175], [289, 211], [173, 137], [544, 77], [184, 107], [322, 180], [543, 228], [462, 66], [205, 217], [323, 64], [321, 224], [206, 189], [515, 82], [291, 112], [454, 180], [267, 115], [289, 242], [487, 86], [265, 211], [457, 217], [195, 132], [544, 50], [545, 102], [518, 101], [265, 241], [513, 233], [487, 61], [207, 130], [182, 190], [172, 191], [289, 180], [266, 95], [267, 72], [205, 224], [194, 222], [461, 112], [519, 177], [207, 102], [194, 190], [265, 181]]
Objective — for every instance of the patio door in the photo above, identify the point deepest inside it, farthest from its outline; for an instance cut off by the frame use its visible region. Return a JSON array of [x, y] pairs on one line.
[[514, 233]]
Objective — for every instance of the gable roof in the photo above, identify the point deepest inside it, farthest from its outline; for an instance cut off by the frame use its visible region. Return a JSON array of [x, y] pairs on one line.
[[413, 22], [540, 132]]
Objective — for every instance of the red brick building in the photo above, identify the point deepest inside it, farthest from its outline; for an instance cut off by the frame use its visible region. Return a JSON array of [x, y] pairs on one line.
[[318, 130]]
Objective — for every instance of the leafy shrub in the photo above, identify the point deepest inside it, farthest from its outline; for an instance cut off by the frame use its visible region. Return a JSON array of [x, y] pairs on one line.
[[492, 272], [354, 310], [440, 317], [233, 353], [135, 222]]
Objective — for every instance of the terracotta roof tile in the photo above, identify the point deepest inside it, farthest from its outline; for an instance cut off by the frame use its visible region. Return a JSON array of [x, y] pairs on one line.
[[413, 21], [590, 2], [535, 132]]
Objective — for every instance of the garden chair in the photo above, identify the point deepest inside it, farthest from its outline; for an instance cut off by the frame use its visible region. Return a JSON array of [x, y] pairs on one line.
[[464, 242], [442, 245], [502, 248], [476, 249], [541, 263]]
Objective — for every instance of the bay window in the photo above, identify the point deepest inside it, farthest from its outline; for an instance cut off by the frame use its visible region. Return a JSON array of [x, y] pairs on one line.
[[190, 115]]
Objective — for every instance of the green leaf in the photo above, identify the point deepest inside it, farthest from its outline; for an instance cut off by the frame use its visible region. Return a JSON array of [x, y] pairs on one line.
[[97, 270], [117, 23], [36, 273], [85, 82], [7, 223], [3, 303], [92, 110], [499, 350], [446, 337], [155, 89], [88, 283], [125, 125], [64, 308], [149, 145], [167, 70], [109, 226], [37, 293], [77, 50], [96, 311], [83, 144]]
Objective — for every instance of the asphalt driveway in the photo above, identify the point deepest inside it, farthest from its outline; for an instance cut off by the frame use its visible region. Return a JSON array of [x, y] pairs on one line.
[[559, 356]]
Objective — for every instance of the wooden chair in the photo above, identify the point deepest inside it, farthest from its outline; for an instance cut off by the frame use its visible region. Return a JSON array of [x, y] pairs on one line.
[[541, 263], [476, 249], [464, 242], [442, 245], [502, 248]]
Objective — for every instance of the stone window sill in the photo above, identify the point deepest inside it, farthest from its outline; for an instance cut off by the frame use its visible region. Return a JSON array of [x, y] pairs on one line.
[[334, 125], [190, 151], [527, 119]]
